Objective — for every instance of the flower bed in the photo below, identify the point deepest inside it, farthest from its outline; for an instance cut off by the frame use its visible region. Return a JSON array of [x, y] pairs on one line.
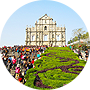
[[57, 67]]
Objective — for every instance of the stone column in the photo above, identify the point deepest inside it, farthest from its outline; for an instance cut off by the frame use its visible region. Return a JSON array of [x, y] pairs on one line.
[[49, 32], [30, 36], [61, 36], [36, 33], [42, 37], [55, 33], [26, 37], [39, 37], [42, 32], [52, 34], [65, 34], [52, 37]]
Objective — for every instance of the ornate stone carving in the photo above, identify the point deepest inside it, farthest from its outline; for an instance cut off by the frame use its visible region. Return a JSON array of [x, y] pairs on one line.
[[46, 33]]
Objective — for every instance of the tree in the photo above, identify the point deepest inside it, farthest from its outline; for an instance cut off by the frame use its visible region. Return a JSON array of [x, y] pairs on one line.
[[68, 42], [87, 35], [75, 38], [76, 32], [84, 36], [81, 36], [71, 41]]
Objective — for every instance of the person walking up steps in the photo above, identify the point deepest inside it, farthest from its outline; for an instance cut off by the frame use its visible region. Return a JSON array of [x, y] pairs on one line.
[[17, 71], [18, 60], [9, 65], [38, 55], [32, 54], [79, 54], [87, 54], [30, 65], [14, 62]]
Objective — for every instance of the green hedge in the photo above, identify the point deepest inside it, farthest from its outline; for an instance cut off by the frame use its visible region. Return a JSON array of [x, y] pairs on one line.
[[54, 57]]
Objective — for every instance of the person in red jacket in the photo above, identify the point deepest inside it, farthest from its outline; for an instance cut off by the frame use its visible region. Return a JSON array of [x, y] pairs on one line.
[[32, 61]]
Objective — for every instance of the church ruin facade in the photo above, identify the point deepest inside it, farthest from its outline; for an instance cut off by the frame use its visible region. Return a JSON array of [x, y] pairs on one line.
[[46, 32]]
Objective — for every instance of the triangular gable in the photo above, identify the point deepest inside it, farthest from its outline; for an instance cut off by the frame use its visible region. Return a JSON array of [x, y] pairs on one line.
[[45, 17]]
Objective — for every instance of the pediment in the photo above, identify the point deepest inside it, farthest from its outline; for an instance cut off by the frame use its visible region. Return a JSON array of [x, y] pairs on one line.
[[45, 17]]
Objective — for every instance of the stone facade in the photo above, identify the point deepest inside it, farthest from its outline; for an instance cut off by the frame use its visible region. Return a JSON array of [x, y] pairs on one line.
[[45, 32]]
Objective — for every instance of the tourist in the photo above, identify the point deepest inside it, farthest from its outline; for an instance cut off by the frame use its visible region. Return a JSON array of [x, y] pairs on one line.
[[25, 54], [21, 58], [17, 71], [26, 58], [38, 55], [32, 54], [70, 47], [65, 45], [10, 58], [87, 54], [18, 60], [41, 49], [21, 78], [30, 65], [9, 65], [36, 50], [14, 61], [24, 64], [0, 50], [79, 54], [29, 59], [32, 61], [5, 59], [30, 51], [18, 51], [26, 67], [21, 54], [13, 50], [33, 57], [44, 48]]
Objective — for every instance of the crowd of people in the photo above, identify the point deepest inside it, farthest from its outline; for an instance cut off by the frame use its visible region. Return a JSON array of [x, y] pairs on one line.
[[19, 59], [82, 54]]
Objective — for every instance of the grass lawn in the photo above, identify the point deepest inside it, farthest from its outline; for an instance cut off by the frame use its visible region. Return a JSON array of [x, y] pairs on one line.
[[57, 67]]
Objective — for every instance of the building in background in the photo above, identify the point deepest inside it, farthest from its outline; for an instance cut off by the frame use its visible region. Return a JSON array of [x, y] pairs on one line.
[[46, 32]]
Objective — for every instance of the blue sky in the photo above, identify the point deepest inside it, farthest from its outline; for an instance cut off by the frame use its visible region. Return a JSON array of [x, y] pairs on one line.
[[14, 30]]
